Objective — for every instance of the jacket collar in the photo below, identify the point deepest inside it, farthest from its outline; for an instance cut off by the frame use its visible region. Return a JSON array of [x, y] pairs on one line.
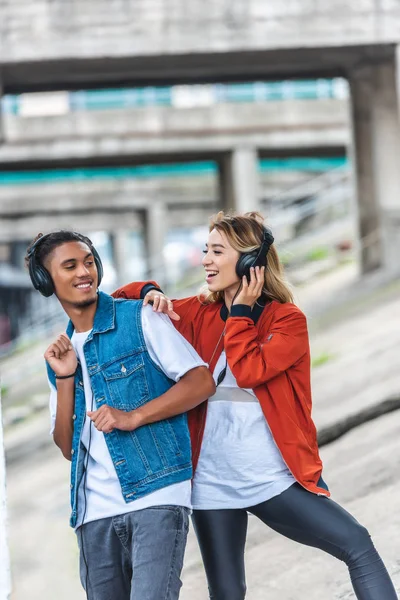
[[255, 313], [104, 318]]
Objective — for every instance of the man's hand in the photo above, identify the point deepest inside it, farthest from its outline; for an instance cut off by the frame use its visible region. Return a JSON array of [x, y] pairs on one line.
[[161, 303], [61, 356], [106, 419], [250, 292]]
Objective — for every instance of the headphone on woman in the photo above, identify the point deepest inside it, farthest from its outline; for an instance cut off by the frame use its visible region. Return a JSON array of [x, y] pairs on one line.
[[41, 278], [257, 257]]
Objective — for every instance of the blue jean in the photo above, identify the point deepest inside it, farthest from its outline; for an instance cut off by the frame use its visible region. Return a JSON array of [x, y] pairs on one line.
[[135, 556]]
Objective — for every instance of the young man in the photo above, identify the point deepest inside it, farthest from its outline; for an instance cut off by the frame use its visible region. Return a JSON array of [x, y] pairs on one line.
[[114, 410]]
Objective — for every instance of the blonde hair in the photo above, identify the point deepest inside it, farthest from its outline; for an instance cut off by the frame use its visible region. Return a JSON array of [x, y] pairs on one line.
[[245, 233]]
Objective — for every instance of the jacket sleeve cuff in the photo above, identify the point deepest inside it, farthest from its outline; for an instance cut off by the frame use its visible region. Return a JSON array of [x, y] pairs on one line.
[[147, 288], [241, 310]]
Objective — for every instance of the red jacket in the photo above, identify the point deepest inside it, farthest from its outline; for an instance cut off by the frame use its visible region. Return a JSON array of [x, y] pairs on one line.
[[272, 357]]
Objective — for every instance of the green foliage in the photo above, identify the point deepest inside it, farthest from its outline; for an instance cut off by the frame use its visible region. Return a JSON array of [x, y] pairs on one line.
[[321, 359], [318, 253]]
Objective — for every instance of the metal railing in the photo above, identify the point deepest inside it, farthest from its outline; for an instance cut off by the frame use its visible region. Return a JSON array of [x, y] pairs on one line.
[[180, 96]]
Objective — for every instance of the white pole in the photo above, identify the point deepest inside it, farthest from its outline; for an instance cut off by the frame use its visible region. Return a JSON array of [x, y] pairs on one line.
[[5, 577]]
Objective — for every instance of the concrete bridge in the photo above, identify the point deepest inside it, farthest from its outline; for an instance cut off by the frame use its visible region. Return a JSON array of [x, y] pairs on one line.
[[234, 136], [240, 134], [166, 134], [70, 45]]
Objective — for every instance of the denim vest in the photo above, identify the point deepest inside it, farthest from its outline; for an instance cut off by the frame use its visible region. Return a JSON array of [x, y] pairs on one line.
[[123, 375]]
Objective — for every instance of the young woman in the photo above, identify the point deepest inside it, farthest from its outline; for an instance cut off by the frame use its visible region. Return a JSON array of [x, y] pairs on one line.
[[254, 443]]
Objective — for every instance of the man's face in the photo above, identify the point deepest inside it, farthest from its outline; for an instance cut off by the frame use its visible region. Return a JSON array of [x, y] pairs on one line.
[[74, 274]]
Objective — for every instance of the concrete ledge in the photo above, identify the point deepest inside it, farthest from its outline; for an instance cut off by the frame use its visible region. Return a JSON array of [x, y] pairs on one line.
[[333, 432]]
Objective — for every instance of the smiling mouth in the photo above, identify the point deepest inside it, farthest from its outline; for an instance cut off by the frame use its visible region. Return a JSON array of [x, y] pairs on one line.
[[84, 286], [211, 274]]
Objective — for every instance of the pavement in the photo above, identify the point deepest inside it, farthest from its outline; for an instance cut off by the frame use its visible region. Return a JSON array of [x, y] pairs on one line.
[[358, 368], [361, 469], [361, 472]]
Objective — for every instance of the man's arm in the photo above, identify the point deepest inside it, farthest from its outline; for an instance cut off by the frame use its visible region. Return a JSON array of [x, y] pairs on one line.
[[180, 363], [63, 427], [62, 359], [193, 388]]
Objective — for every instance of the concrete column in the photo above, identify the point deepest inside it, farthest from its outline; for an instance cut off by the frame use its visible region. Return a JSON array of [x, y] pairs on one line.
[[5, 578], [120, 247], [156, 227], [376, 148], [1, 114], [239, 180]]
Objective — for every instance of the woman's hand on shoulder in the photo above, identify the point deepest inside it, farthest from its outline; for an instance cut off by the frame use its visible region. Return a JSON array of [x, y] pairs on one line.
[[251, 291], [161, 304]]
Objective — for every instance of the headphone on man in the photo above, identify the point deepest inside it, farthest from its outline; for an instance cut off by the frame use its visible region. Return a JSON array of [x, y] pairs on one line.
[[257, 257], [41, 278]]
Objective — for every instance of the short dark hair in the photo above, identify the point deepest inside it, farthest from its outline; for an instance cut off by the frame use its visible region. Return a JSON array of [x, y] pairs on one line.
[[53, 240]]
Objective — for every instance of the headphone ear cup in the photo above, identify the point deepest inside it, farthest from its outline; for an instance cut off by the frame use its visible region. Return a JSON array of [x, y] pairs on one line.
[[255, 258], [244, 264], [99, 266], [41, 279]]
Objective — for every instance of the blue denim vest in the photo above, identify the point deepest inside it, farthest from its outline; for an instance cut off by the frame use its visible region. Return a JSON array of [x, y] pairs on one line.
[[123, 375]]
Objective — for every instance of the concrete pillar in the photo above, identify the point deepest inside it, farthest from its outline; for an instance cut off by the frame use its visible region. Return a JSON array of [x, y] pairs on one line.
[[120, 248], [5, 578], [376, 149], [239, 180], [1, 114], [156, 227]]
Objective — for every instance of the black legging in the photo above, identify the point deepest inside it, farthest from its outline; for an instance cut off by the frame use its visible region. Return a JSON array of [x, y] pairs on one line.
[[301, 516]]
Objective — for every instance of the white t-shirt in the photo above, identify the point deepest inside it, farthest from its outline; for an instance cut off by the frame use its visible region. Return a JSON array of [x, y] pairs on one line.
[[239, 464], [175, 356]]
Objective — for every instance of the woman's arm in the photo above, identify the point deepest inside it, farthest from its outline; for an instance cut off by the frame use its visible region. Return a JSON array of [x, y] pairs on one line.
[[253, 362], [182, 312], [136, 290]]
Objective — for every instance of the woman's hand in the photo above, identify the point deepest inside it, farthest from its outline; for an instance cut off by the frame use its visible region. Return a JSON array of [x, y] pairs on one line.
[[61, 356], [161, 303], [250, 292]]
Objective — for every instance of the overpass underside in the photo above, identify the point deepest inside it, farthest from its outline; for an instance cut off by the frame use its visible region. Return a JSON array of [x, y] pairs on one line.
[[77, 73]]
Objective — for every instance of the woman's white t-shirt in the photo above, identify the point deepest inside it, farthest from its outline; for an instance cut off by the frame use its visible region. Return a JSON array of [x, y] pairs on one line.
[[239, 464]]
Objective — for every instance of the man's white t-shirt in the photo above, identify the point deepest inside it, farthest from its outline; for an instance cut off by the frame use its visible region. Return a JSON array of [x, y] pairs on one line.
[[100, 492]]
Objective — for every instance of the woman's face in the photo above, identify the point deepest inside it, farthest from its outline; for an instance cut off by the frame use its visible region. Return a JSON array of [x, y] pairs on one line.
[[219, 263]]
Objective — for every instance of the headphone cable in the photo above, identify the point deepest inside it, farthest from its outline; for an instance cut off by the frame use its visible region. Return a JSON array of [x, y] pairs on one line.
[[85, 507], [222, 374]]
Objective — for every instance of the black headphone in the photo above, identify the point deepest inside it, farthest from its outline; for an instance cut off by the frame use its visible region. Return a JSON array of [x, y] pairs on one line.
[[257, 257], [40, 276]]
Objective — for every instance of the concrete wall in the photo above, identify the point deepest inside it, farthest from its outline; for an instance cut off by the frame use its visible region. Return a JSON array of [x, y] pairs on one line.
[[163, 132], [5, 577], [44, 30], [98, 194], [75, 44], [110, 205]]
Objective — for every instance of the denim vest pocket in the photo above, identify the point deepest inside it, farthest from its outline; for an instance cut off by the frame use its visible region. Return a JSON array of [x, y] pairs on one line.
[[171, 437], [126, 382]]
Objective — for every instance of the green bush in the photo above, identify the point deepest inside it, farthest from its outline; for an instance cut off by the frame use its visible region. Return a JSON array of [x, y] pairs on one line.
[[321, 359], [319, 253]]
